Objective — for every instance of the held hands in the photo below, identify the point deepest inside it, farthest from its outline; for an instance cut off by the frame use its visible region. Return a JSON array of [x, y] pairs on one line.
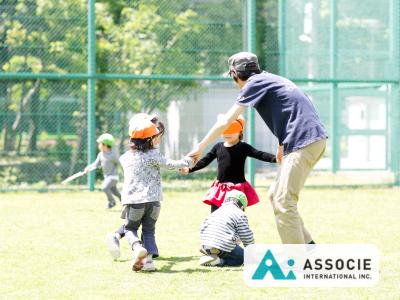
[[184, 170], [279, 154], [195, 154]]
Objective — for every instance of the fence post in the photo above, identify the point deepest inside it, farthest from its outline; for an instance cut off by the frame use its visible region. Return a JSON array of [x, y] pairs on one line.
[[334, 97], [251, 47], [395, 133], [395, 94], [281, 37], [91, 94]]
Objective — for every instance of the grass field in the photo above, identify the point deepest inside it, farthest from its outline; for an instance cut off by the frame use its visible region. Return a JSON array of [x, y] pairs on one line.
[[52, 246]]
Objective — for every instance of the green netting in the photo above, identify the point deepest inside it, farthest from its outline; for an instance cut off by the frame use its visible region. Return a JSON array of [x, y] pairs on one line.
[[168, 57], [170, 37], [345, 54], [365, 38], [44, 131]]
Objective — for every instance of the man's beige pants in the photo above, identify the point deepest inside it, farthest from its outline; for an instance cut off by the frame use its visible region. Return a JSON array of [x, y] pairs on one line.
[[284, 193]]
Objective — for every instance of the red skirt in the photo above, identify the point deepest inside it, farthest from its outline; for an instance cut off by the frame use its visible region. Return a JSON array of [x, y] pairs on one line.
[[217, 191]]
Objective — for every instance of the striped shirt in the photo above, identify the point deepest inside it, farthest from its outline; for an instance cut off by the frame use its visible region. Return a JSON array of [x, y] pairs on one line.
[[225, 227]]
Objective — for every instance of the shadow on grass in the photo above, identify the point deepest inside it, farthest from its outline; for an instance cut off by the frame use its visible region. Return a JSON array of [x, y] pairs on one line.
[[172, 261], [122, 260], [107, 210], [177, 259]]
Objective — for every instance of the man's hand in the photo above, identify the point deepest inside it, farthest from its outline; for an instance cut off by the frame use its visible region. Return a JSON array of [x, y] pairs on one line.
[[195, 154], [86, 170], [184, 171], [216, 130], [279, 154]]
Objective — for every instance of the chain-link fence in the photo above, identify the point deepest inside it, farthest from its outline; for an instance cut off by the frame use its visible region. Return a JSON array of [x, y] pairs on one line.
[[346, 54], [61, 76]]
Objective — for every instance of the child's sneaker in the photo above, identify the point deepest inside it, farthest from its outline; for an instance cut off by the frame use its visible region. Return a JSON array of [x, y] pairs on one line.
[[209, 260], [211, 250], [203, 251], [110, 205], [149, 265], [112, 242], [139, 255]]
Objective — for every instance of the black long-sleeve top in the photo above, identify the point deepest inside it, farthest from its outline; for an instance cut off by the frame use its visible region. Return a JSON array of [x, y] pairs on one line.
[[231, 160]]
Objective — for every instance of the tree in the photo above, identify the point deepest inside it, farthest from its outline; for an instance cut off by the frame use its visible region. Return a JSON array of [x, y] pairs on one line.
[[137, 37], [158, 37], [35, 41]]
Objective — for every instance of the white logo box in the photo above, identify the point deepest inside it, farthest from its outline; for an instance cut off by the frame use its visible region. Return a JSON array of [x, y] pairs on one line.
[[318, 265]]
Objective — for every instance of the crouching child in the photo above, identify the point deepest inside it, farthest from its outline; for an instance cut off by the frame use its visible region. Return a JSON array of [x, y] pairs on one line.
[[224, 230]]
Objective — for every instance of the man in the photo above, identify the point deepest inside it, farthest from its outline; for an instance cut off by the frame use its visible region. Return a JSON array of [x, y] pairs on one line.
[[292, 118]]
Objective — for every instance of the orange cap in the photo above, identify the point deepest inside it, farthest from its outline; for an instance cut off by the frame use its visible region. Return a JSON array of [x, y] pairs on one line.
[[236, 126], [142, 128]]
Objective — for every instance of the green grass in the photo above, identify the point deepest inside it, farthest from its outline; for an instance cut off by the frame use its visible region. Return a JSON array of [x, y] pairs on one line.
[[52, 246]]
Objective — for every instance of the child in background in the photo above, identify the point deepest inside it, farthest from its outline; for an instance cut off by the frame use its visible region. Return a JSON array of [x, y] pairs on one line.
[[107, 159], [231, 157], [224, 230], [142, 190]]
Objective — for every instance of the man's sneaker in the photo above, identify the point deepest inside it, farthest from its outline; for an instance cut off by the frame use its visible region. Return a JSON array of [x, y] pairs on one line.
[[139, 256], [149, 266], [113, 245], [209, 260]]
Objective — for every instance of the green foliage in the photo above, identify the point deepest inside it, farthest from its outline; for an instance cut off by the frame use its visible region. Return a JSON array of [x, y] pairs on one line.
[[61, 150], [9, 176], [133, 37], [143, 39]]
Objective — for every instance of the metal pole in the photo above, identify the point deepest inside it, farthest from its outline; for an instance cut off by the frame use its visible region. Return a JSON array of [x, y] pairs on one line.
[[334, 105], [281, 37], [91, 84], [122, 76], [395, 134], [395, 94], [251, 47]]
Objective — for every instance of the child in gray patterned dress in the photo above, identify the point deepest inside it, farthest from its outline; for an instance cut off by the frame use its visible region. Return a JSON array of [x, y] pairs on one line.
[[142, 191]]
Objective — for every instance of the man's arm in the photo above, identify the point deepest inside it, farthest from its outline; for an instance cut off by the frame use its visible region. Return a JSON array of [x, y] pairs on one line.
[[279, 154], [217, 130]]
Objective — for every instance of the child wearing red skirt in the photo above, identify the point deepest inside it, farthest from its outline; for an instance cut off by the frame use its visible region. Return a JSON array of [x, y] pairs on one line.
[[231, 157]]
